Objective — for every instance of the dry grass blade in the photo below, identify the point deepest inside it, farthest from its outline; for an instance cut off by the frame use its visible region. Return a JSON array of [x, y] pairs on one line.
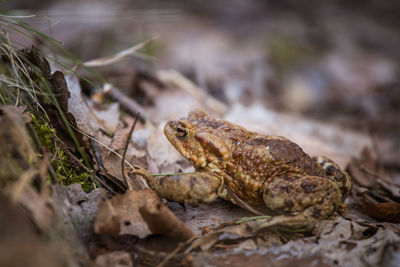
[[17, 77], [128, 184], [117, 57]]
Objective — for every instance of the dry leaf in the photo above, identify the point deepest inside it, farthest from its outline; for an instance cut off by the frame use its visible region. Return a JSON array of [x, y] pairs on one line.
[[107, 116], [38, 206], [75, 211], [337, 242], [374, 191], [119, 140], [364, 168], [139, 213], [78, 107], [385, 212]]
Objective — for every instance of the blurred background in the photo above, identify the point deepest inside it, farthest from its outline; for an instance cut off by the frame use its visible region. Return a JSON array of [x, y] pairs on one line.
[[332, 61]]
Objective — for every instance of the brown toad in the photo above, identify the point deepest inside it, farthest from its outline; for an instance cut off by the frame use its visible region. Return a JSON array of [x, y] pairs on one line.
[[263, 174]]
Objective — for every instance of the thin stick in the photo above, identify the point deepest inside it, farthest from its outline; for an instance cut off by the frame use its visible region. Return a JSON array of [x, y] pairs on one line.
[[126, 148], [128, 104], [246, 219], [175, 251]]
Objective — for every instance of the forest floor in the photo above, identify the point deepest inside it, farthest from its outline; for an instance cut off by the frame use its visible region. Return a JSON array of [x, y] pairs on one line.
[[77, 79]]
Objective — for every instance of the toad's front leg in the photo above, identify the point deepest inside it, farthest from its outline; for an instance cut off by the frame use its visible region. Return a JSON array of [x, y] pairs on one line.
[[192, 188]]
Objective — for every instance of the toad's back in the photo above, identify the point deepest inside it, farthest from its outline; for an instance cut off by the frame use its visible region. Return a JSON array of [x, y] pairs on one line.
[[261, 159]]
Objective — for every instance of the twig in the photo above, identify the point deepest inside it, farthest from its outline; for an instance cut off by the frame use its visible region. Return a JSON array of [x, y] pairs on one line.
[[96, 151], [103, 183], [226, 246], [246, 219], [128, 184], [126, 103], [104, 174], [175, 251]]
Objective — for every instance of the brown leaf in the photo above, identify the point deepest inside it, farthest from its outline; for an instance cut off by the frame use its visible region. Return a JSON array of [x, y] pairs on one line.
[[77, 106], [60, 89], [62, 94], [258, 259], [37, 205], [38, 60], [373, 189], [119, 140], [385, 212], [16, 152], [336, 242], [138, 213], [362, 169]]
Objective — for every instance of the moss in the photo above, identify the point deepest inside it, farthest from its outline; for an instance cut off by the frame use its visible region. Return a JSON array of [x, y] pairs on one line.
[[69, 176], [45, 134], [66, 173]]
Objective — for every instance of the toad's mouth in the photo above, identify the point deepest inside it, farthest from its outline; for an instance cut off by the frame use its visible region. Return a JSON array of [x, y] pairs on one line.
[[170, 130]]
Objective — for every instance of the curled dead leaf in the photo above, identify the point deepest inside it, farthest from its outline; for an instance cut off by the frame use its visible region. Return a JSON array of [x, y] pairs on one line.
[[386, 212], [140, 213]]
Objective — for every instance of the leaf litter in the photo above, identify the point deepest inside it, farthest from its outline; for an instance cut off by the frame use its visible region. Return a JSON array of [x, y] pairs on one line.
[[104, 228]]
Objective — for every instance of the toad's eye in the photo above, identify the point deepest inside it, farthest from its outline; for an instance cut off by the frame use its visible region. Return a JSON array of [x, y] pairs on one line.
[[181, 131]]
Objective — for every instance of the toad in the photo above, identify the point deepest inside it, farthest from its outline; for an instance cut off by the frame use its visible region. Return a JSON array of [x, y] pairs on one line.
[[263, 174]]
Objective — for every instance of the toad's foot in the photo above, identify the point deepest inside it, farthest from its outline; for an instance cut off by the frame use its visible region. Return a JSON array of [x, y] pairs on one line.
[[334, 172]]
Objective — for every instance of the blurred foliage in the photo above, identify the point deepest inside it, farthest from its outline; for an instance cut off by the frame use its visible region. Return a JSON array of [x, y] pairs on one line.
[[287, 53]]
